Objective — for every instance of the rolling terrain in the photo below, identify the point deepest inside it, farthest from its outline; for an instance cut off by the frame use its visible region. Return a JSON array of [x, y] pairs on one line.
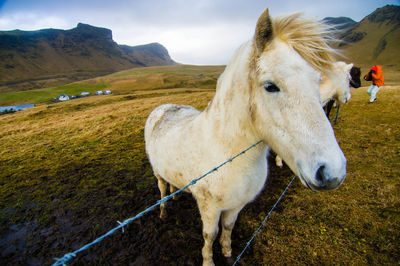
[[69, 171], [43, 62], [373, 40], [40, 59], [136, 80]]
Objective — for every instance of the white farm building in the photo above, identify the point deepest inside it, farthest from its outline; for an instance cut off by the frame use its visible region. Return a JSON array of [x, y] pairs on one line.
[[63, 97]]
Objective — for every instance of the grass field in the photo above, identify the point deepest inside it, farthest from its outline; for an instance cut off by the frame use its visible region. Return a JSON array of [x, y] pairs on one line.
[[69, 171], [125, 82]]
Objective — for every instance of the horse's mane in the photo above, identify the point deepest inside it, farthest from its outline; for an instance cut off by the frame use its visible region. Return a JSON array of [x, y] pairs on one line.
[[310, 38]]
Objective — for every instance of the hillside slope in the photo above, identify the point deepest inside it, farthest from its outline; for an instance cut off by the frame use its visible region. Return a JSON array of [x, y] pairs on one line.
[[375, 39], [136, 80], [340, 23], [33, 59]]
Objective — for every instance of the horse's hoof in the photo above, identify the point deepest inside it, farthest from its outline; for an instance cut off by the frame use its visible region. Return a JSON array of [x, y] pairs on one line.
[[208, 263], [227, 252], [229, 260], [163, 216]]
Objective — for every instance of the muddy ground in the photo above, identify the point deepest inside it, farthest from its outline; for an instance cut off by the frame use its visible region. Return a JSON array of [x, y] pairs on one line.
[[146, 241]]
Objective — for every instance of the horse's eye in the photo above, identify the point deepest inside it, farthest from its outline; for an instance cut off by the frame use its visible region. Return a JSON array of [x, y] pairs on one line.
[[271, 87]]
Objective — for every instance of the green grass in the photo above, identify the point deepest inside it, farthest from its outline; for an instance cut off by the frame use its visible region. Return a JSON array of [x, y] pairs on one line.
[[125, 82], [46, 94], [177, 69]]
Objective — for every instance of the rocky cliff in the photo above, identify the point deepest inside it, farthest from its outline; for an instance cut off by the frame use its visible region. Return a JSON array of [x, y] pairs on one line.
[[32, 59]]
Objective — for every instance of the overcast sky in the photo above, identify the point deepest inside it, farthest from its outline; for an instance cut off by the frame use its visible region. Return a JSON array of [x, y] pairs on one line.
[[194, 31]]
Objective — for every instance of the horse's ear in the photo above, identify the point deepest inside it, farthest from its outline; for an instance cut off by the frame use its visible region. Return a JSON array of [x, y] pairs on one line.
[[263, 31], [350, 66]]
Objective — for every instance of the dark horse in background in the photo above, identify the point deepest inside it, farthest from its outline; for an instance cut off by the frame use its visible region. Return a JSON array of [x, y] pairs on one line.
[[355, 82]]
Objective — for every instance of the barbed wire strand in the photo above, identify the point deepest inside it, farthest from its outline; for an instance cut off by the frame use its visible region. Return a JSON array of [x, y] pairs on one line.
[[69, 256], [262, 224]]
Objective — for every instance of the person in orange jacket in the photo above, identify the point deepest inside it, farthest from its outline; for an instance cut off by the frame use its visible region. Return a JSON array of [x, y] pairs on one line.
[[376, 76]]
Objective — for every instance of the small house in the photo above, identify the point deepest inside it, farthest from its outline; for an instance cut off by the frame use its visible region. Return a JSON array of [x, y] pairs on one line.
[[107, 92], [63, 97], [99, 93]]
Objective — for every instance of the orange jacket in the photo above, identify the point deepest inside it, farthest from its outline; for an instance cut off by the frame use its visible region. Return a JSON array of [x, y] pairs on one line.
[[376, 76]]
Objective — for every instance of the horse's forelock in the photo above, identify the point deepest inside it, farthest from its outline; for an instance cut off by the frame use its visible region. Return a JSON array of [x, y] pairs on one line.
[[310, 38]]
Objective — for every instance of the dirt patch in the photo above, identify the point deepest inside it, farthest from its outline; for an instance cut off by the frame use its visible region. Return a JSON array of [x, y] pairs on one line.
[[147, 241]]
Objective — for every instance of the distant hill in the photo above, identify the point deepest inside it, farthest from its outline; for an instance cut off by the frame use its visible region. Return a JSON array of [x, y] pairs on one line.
[[340, 23], [152, 54], [34, 59], [373, 40]]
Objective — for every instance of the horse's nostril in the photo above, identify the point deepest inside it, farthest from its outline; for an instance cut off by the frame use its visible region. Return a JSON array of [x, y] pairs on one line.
[[320, 176]]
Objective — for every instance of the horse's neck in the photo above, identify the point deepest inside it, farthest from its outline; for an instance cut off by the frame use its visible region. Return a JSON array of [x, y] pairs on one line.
[[328, 89], [228, 113], [327, 93]]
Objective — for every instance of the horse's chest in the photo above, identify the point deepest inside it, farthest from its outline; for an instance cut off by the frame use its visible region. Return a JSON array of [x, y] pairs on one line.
[[234, 188], [252, 184]]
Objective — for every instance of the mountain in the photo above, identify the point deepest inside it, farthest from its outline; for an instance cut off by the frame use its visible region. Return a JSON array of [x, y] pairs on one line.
[[373, 40], [33, 59], [153, 54], [340, 23]]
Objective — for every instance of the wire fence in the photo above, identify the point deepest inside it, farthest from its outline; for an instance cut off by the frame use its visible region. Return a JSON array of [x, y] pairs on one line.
[[67, 257], [263, 222]]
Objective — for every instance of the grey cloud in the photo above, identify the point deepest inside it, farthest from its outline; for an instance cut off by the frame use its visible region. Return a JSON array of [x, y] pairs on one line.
[[202, 24]]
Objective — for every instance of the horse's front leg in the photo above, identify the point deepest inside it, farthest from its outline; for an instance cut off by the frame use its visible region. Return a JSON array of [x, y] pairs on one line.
[[173, 189], [329, 106], [228, 219], [210, 219]]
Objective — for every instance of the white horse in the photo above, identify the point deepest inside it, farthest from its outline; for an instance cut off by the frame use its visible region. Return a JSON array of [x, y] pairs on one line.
[[335, 85], [270, 92], [339, 91]]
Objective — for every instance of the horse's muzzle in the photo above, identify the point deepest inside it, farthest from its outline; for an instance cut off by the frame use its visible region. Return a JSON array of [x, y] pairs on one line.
[[324, 179]]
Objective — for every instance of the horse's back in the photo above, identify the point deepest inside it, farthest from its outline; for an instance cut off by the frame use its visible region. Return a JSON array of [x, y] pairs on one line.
[[165, 117], [167, 128]]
